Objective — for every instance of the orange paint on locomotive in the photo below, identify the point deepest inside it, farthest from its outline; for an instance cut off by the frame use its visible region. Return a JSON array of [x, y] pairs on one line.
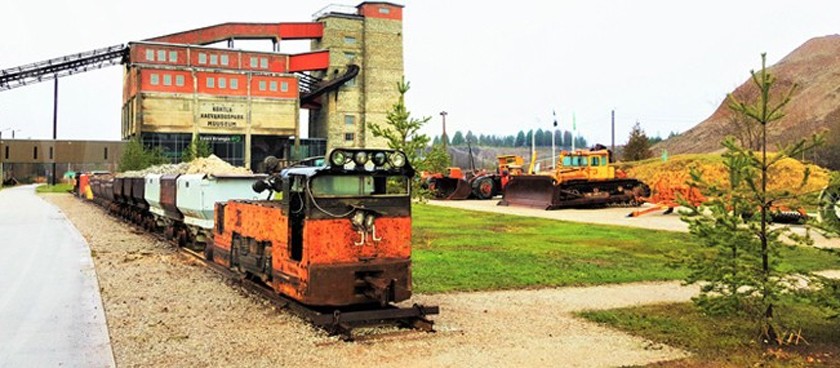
[[327, 244]]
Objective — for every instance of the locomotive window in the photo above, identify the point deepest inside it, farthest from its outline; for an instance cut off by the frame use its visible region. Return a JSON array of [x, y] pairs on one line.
[[359, 185]]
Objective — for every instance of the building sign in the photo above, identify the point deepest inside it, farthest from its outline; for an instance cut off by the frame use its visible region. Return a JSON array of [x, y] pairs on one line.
[[221, 138], [222, 115]]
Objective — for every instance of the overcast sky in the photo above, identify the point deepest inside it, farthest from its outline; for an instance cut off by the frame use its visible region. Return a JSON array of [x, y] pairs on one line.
[[494, 67]]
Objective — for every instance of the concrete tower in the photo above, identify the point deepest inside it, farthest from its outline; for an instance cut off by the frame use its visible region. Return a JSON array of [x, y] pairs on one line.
[[369, 36]]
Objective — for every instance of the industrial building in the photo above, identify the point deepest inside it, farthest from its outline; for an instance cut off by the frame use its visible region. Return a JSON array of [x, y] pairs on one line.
[[28, 160], [246, 104]]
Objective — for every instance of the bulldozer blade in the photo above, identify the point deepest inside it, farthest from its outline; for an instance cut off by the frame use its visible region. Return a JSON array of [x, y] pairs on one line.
[[449, 188], [463, 190], [536, 191]]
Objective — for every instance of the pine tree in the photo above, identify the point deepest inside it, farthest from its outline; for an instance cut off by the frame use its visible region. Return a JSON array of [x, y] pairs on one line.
[[638, 146], [401, 131], [458, 139], [197, 149], [738, 267]]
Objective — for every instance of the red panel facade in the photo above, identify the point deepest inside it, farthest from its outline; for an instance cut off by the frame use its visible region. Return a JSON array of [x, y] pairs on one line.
[[318, 60], [300, 31], [225, 31], [380, 10], [222, 84], [162, 80], [276, 87]]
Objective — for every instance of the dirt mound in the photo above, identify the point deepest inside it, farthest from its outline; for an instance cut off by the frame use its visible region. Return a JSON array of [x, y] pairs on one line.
[[211, 165], [813, 67], [787, 174]]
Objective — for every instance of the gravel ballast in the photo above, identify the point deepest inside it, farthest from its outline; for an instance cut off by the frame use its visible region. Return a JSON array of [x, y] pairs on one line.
[[164, 309]]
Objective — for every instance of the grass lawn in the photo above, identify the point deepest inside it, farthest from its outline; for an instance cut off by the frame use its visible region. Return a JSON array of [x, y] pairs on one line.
[[58, 188], [467, 250], [730, 341]]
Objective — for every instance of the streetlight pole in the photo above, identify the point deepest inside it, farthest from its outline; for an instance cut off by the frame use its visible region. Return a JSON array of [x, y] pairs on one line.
[[443, 137], [55, 126]]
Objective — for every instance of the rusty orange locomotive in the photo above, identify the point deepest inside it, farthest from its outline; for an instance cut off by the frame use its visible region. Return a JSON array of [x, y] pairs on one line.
[[333, 235]]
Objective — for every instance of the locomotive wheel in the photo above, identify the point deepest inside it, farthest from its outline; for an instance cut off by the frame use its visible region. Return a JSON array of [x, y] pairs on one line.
[[483, 188]]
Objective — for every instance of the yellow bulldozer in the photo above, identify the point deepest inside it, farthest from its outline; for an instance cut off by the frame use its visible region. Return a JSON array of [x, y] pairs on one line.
[[582, 178]]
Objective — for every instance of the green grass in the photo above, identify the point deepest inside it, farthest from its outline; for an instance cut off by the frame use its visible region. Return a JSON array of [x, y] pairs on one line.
[[730, 341], [58, 188], [458, 250]]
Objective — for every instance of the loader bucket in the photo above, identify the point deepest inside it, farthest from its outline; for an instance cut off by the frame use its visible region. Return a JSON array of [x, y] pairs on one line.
[[449, 188], [536, 191]]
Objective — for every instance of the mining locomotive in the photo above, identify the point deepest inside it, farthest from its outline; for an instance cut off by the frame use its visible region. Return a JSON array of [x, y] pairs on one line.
[[334, 238]]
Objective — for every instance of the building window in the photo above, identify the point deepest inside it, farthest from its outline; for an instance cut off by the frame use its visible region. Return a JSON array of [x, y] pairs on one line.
[[254, 62], [350, 56], [349, 137], [214, 59], [154, 79], [284, 86], [350, 40], [51, 153], [222, 82], [349, 120], [262, 85], [264, 63], [202, 58], [7, 152], [167, 80], [211, 83], [173, 56], [35, 153], [272, 86], [384, 10], [150, 55], [234, 83], [106, 153], [225, 59], [161, 55], [179, 80]]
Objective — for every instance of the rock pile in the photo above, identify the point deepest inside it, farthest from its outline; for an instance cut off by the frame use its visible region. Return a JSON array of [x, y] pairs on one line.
[[211, 165]]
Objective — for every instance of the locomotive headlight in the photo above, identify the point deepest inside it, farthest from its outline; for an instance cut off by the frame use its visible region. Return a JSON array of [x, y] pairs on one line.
[[379, 158], [369, 222], [338, 158], [398, 159], [358, 220], [360, 158]]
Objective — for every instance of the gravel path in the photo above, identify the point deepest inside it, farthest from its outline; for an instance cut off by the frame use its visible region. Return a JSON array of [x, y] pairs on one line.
[[164, 310]]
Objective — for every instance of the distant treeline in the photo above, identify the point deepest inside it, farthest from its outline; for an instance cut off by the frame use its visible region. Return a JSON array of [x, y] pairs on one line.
[[542, 138]]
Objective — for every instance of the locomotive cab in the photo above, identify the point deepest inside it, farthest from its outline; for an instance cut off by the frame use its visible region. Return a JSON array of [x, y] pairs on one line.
[[339, 235]]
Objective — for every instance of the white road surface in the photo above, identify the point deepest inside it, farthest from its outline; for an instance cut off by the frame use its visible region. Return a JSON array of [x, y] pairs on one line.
[[50, 309]]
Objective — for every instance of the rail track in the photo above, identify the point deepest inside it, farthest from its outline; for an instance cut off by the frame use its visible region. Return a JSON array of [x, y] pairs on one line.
[[335, 321]]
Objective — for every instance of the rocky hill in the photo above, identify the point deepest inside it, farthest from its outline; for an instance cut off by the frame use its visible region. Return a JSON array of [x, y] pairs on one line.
[[814, 67]]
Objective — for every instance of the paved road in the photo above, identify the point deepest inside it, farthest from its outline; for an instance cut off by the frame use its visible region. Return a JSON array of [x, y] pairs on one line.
[[50, 309]]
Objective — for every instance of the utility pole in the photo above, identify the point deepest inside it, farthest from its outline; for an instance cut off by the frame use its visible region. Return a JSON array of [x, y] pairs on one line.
[[55, 127], [613, 132], [443, 137]]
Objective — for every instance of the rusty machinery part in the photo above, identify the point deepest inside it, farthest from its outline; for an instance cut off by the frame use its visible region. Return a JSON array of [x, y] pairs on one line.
[[829, 210], [542, 191]]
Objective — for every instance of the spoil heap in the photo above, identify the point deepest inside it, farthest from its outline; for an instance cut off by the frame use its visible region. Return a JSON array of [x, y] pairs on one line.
[[211, 165], [787, 174]]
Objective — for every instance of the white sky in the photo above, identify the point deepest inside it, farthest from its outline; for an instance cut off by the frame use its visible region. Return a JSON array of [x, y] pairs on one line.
[[494, 67]]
